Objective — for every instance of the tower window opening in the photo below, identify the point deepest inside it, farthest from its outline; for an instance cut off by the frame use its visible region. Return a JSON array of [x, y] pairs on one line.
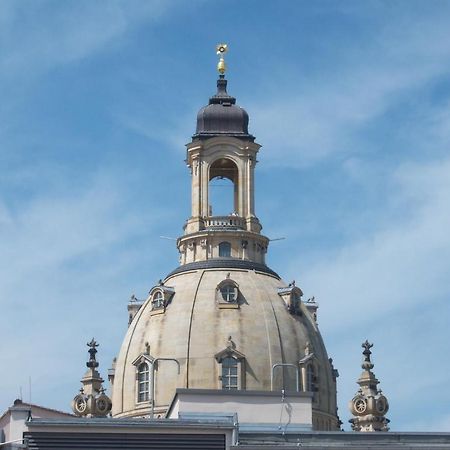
[[230, 378], [222, 189], [224, 249], [143, 382]]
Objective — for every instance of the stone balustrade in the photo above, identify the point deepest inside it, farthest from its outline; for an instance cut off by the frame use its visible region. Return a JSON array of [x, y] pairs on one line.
[[230, 222]]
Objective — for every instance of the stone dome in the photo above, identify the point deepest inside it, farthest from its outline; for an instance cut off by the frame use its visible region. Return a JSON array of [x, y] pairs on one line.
[[196, 326], [222, 116]]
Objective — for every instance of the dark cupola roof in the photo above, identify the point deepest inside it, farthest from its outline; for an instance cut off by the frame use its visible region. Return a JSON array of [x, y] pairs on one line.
[[222, 117]]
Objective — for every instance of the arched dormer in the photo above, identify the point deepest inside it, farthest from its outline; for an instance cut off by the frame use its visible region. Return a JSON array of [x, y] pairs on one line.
[[227, 293], [160, 296]]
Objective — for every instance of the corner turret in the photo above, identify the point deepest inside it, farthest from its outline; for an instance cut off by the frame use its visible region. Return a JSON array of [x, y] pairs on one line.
[[369, 405], [92, 400]]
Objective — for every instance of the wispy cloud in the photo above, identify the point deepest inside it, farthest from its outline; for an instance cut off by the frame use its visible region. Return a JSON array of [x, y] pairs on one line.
[[405, 255], [442, 424], [366, 114], [67, 257], [391, 286], [53, 230], [326, 116], [52, 33], [171, 132], [406, 345]]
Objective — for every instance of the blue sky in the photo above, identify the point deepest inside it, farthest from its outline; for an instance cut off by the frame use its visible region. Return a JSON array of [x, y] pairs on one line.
[[351, 102]]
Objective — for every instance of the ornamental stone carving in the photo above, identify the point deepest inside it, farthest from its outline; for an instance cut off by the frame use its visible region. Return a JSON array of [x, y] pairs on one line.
[[369, 405], [92, 400]]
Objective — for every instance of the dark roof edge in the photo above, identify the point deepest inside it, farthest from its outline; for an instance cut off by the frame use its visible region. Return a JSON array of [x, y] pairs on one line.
[[206, 135], [242, 393], [224, 263], [125, 422]]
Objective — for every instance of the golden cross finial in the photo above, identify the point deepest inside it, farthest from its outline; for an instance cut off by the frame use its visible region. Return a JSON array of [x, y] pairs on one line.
[[221, 49]]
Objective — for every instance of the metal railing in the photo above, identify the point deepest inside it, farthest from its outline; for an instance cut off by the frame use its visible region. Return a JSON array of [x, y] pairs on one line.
[[274, 366], [152, 381]]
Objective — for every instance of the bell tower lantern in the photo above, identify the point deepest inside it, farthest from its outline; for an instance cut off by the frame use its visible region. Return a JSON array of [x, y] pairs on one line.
[[222, 148]]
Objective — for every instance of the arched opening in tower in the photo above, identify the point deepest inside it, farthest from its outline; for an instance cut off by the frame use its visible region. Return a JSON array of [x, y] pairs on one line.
[[223, 188]]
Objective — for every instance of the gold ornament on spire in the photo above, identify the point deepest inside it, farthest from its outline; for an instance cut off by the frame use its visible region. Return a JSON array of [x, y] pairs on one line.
[[221, 49]]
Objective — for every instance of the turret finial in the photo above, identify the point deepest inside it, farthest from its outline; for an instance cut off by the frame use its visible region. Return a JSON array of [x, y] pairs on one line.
[[92, 351], [367, 363], [221, 49]]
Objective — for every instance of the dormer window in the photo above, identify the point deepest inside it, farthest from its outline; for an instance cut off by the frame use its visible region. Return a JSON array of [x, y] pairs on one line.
[[227, 293], [311, 381], [310, 378], [295, 303], [231, 368], [158, 300], [230, 378], [309, 370], [160, 297], [144, 369], [224, 250], [143, 383], [292, 298]]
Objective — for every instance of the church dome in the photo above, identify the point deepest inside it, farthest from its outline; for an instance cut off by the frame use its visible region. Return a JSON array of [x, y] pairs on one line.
[[222, 320], [222, 116], [265, 324]]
